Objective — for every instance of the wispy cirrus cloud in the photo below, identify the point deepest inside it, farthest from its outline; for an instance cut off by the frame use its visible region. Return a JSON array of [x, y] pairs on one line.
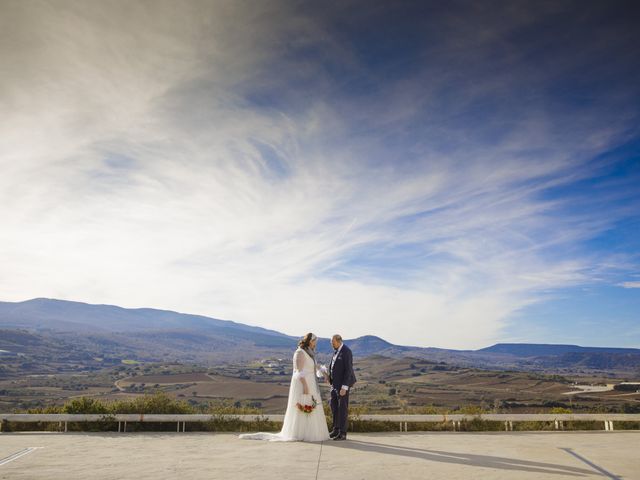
[[252, 163]]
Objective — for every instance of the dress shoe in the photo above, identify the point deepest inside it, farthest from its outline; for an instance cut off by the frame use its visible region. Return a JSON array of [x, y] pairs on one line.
[[334, 434], [342, 436]]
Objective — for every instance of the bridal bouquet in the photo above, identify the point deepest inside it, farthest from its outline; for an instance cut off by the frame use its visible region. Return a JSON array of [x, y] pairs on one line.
[[308, 407], [321, 371]]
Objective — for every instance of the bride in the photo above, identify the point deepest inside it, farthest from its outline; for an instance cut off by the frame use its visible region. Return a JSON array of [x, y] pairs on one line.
[[304, 419]]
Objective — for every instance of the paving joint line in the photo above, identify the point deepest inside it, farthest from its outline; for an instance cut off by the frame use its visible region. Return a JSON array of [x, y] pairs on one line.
[[319, 457], [15, 456]]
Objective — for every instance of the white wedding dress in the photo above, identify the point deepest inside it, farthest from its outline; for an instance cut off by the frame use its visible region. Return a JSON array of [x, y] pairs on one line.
[[297, 425]]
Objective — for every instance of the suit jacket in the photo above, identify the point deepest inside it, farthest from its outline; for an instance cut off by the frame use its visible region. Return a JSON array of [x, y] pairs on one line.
[[342, 370]]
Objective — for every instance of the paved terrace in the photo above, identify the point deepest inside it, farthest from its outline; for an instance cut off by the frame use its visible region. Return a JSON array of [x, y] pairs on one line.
[[452, 455]]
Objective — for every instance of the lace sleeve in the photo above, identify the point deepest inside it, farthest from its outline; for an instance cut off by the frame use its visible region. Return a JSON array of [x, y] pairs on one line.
[[298, 364]]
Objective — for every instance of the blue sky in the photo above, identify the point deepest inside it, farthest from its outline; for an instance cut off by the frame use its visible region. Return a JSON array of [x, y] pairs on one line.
[[448, 174]]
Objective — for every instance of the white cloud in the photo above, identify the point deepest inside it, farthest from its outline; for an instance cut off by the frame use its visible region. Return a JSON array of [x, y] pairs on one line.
[[138, 171], [630, 284]]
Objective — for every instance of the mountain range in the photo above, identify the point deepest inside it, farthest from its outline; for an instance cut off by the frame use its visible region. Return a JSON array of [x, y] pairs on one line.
[[59, 332]]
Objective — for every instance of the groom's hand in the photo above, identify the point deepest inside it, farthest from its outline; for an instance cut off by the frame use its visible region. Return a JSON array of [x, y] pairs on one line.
[[343, 392]]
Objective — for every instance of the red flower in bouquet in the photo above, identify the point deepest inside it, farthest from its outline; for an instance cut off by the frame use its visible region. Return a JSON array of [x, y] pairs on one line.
[[308, 408]]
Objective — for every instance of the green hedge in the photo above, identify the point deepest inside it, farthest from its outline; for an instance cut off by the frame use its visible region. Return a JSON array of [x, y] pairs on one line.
[[161, 403]]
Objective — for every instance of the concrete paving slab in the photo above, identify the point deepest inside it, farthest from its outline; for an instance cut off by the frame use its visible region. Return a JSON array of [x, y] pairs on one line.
[[142, 456], [485, 455]]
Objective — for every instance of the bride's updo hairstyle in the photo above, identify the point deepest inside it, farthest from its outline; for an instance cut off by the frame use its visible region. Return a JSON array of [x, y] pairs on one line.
[[306, 340]]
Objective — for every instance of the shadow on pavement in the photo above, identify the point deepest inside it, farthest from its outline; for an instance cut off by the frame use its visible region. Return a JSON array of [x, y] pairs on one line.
[[487, 461]]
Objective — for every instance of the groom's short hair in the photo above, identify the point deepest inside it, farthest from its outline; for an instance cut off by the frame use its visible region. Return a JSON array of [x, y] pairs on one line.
[[337, 338]]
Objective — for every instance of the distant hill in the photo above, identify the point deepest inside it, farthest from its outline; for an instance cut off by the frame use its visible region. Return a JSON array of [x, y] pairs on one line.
[[42, 314], [61, 314], [369, 344], [593, 361], [538, 350], [108, 324], [57, 333]]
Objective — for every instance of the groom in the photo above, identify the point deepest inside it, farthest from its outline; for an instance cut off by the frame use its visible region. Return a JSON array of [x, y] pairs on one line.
[[341, 378]]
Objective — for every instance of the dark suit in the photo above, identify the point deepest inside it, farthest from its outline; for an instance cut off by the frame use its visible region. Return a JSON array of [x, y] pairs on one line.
[[341, 373]]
